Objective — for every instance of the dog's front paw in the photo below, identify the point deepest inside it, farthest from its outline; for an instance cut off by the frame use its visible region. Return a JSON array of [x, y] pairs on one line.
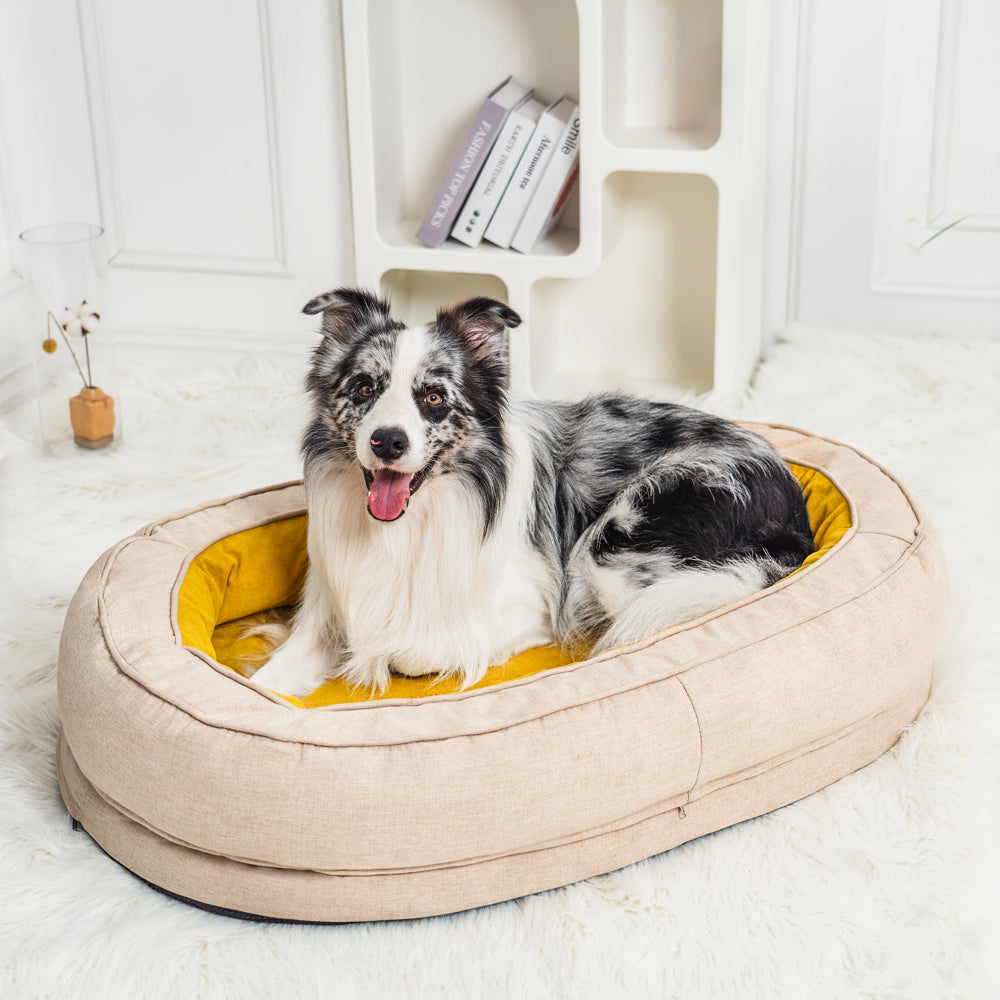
[[366, 672], [294, 671]]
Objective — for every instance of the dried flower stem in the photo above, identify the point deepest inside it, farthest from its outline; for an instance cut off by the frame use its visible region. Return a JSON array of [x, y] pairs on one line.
[[62, 332], [86, 347]]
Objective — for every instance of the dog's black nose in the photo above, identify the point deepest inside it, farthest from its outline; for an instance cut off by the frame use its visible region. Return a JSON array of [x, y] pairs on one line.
[[389, 443]]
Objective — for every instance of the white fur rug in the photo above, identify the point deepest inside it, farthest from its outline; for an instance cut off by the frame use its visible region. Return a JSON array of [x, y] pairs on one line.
[[880, 886]]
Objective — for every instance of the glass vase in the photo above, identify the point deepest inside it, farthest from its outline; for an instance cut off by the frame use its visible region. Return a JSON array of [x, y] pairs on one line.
[[71, 336]]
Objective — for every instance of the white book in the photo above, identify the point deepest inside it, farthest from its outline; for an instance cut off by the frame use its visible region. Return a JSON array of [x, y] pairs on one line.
[[552, 189], [469, 158], [515, 200], [496, 173]]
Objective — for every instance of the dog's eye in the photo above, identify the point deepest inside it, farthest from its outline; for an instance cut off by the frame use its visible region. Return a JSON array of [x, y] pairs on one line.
[[433, 399], [365, 391]]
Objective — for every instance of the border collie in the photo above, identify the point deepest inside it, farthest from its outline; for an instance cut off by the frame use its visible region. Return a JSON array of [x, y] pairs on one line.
[[449, 529]]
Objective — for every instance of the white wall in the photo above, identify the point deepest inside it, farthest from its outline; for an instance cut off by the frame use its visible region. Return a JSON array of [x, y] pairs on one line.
[[209, 139], [886, 130]]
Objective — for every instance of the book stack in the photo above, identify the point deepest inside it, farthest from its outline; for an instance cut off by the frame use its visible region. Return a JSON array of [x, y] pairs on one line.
[[512, 176]]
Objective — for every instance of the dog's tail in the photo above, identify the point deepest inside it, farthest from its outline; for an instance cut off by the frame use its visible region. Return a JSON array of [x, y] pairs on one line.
[[259, 640]]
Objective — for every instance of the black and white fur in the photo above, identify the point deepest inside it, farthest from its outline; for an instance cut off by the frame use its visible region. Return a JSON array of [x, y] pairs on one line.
[[592, 523]]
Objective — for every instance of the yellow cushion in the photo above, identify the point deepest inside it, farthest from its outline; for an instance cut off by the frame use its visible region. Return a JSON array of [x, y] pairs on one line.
[[829, 511], [244, 578]]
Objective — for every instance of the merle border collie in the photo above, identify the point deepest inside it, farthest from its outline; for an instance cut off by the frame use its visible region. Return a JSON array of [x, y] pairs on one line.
[[450, 529]]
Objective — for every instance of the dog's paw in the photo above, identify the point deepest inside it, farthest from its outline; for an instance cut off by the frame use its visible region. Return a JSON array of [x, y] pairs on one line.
[[292, 671], [372, 674]]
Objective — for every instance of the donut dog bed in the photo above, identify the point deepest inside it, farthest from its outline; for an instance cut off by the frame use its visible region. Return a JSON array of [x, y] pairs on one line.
[[430, 799]]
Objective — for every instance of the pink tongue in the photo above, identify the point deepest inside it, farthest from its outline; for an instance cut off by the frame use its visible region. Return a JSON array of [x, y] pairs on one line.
[[388, 494]]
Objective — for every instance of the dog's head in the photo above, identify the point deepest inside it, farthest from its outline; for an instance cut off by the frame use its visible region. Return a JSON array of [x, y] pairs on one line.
[[405, 402]]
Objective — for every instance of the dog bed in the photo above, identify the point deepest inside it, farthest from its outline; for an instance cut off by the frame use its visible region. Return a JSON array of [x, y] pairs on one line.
[[430, 799]]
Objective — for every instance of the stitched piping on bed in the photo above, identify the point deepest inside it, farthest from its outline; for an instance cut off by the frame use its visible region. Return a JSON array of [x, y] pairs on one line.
[[128, 814], [124, 665], [665, 807], [907, 496], [661, 808], [192, 555], [902, 560], [76, 810], [112, 555], [231, 675], [669, 807], [643, 644], [888, 534], [701, 739], [72, 802], [195, 713], [180, 704], [840, 444], [121, 661], [820, 743], [213, 504]]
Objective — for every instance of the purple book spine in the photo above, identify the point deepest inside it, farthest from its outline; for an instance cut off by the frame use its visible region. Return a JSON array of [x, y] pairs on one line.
[[462, 174]]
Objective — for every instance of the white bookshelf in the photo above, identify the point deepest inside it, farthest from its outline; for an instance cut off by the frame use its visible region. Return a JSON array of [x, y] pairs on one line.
[[652, 283]]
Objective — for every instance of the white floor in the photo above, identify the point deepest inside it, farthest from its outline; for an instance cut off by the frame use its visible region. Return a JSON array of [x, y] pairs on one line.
[[882, 885]]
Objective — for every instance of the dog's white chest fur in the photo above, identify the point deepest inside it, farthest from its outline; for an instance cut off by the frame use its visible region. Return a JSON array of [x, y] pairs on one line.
[[424, 594]]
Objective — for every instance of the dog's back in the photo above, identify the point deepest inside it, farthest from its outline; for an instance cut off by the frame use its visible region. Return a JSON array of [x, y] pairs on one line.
[[657, 512]]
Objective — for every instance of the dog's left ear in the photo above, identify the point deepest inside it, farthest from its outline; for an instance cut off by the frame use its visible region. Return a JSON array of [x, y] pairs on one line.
[[480, 322], [348, 311]]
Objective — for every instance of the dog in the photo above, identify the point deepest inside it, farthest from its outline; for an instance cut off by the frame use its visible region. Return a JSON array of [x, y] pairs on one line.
[[449, 529]]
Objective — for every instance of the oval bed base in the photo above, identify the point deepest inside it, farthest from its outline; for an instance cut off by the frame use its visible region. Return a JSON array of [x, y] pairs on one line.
[[431, 800]]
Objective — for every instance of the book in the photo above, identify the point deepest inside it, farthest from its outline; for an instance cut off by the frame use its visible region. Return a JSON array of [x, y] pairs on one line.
[[552, 189], [468, 161], [510, 211], [497, 171]]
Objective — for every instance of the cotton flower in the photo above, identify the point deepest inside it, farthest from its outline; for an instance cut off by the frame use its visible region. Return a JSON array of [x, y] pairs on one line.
[[80, 320], [70, 322], [76, 321]]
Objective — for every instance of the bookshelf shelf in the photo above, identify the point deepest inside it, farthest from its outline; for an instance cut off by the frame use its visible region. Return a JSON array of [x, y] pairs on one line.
[[652, 283], [663, 73], [659, 267], [416, 295]]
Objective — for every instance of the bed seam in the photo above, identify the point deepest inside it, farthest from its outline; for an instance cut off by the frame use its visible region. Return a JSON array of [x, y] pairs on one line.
[[183, 706]]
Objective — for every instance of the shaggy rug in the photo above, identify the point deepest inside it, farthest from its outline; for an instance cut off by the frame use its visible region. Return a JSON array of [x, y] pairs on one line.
[[880, 886]]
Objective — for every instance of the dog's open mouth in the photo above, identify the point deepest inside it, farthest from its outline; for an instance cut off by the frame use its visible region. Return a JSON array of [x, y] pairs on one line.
[[389, 492]]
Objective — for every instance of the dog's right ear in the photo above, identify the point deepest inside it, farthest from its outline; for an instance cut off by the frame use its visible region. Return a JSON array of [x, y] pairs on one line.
[[479, 323], [348, 312]]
